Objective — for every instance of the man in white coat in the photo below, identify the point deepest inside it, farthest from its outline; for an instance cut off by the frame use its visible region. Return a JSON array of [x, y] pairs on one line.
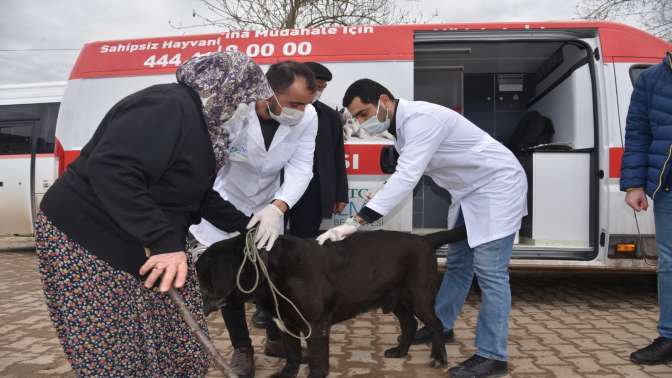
[[265, 138], [488, 188]]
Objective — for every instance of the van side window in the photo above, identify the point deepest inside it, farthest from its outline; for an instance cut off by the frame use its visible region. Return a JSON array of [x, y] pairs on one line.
[[27, 128], [636, 70], [15, 138]]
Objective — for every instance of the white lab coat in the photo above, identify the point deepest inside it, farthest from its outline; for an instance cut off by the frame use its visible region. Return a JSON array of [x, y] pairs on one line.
[[482, 176], [253, 182]]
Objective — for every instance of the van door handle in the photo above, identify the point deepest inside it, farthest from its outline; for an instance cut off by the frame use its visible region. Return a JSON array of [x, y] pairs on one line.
[[1, 184]]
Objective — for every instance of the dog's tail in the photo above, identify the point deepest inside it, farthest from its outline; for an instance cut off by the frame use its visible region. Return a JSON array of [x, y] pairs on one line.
[[440, 238]]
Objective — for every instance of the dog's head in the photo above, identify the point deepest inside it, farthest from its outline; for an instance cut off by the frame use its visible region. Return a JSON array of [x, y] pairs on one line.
[[217, 269]]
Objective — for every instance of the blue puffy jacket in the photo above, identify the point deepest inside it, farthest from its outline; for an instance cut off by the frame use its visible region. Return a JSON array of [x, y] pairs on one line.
[[648, 132]]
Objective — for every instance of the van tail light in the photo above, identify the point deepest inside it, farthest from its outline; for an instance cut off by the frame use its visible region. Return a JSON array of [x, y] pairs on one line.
[[626, 248], [632, 246]]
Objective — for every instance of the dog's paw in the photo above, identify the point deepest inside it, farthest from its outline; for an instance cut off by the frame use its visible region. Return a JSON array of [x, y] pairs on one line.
[[438, 358], [435, 364], [396, 352]]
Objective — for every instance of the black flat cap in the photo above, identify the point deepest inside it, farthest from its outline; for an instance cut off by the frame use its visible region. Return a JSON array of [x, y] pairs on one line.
[[321, 72]]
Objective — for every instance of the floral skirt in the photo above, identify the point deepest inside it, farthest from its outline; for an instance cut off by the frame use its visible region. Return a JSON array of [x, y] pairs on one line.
[[109, 324]]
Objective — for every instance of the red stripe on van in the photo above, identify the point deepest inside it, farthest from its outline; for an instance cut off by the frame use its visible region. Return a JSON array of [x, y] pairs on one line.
[[363, 159], [615, 156], [162, 55], [64, 157], [153, 56], [59, 153], [68, 158]]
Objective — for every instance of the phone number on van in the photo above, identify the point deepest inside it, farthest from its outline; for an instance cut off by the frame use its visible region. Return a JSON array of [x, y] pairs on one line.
[[252, 50]]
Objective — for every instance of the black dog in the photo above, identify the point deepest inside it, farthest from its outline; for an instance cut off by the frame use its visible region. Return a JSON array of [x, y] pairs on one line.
[[391, 270]]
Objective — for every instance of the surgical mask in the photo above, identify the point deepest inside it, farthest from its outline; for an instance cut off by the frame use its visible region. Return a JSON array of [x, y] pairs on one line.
[[287, 116], [317, 96], [373, 125]]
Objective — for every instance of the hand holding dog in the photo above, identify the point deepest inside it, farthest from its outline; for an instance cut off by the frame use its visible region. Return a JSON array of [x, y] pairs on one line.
[[339, 232], [269, 226]]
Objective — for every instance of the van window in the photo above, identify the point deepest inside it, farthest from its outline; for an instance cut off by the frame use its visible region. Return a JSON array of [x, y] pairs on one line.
[[19, 124], [15, 138], [635, 71]]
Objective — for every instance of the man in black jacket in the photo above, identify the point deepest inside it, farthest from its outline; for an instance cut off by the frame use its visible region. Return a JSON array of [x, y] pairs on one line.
[[327, 192]]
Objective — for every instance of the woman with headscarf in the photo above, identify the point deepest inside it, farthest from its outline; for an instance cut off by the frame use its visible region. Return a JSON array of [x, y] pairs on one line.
[[142, 179]]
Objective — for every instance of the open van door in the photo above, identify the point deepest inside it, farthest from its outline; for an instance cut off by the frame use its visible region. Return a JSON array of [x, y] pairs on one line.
[[500, 78]]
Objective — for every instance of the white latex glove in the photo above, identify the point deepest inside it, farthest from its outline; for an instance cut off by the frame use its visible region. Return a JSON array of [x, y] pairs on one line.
[[339, 232], [269, 226]]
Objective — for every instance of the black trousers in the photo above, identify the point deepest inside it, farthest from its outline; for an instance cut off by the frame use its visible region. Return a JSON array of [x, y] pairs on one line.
[[306, 215], [236, 324]]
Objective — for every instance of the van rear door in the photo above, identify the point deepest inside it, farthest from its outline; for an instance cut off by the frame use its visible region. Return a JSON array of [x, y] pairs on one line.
[[624, 222]]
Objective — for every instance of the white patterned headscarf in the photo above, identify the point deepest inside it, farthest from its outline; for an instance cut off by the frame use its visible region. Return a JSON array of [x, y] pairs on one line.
[[223, 81]]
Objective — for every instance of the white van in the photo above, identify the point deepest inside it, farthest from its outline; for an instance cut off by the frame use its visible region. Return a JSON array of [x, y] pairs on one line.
[[27, 167], [577, 75]]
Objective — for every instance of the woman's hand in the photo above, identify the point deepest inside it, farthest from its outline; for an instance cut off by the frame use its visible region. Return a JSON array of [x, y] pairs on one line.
[[173, 267]]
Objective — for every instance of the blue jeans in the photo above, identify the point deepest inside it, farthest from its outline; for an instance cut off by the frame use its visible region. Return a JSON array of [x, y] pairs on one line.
[[490, 262], [662, 210]]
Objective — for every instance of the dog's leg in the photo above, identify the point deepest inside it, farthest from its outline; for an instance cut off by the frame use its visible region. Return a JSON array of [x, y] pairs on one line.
[[293, 347], [425, 312], [318, 350], [408, 326]]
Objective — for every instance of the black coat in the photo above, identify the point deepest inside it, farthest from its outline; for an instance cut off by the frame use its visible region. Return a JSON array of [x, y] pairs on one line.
[[144, 177], [329, 163]]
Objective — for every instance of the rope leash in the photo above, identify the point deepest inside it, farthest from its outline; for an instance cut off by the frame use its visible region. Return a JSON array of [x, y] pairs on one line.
[[640, 240], [251, 254]]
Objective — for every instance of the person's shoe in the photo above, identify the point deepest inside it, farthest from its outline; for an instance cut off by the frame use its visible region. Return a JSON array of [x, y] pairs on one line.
[[260, 318], [479, 367], [276, 348], [424, 335], [658, 352], [242, 362]]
